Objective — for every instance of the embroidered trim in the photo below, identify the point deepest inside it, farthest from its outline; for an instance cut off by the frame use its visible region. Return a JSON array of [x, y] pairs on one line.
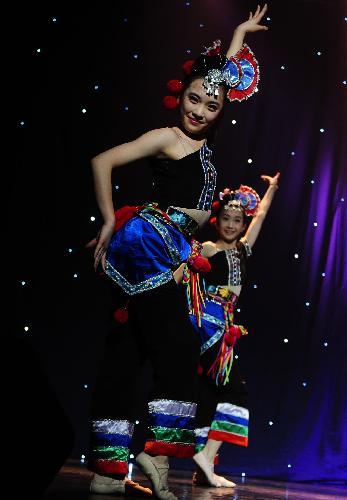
[[233, 258], [172, 407], [211, 341], [206, 197], [164, 233], [148, 284], [247, 248], [108, 426]]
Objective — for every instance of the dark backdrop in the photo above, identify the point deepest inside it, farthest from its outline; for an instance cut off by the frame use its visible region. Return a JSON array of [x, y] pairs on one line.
[[113, 61]]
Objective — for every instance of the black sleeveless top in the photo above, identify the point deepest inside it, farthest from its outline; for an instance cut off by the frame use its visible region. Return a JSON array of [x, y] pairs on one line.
[[187, 183], [228, 267]]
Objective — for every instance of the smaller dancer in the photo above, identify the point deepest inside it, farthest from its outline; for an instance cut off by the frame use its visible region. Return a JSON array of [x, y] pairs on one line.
[[222, 414]]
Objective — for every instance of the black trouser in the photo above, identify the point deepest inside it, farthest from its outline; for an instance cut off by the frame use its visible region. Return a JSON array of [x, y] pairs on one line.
[[222, 412], [159, 331]]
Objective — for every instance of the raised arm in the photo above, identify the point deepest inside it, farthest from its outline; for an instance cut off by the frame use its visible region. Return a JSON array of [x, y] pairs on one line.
[[258, 219], [149, 144], [249, 26]]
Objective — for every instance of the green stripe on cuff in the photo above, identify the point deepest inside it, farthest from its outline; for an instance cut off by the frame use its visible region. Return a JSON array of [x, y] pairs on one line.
[[241, 430], [173, 435], [111, 453]]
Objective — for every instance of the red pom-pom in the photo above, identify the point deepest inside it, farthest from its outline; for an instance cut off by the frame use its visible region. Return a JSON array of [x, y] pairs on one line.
[[200, 370], [201, 265], [121, 315], [170, 102], [187, 66], [213, 221], [215, 206], [175, 86], [123, 215], [232, 335]]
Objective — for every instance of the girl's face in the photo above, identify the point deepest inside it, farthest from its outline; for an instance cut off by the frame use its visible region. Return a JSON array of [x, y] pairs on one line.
[[230, 225], [198, 110]]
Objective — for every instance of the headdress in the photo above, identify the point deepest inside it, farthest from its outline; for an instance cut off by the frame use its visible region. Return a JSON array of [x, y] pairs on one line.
[[244, 199], [239, 74]]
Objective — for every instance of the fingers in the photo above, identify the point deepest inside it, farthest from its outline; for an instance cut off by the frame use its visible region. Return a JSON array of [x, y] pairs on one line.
[[260, 13], [99, 252], [103, 262], [260, 27], [101, 256]]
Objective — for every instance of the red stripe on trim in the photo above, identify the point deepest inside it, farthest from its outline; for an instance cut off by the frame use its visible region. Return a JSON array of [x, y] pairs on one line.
[[170, 449], [228, 437], [108, 466]]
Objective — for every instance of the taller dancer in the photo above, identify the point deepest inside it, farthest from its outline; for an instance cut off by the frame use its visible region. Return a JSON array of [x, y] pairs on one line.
[[140, 249]]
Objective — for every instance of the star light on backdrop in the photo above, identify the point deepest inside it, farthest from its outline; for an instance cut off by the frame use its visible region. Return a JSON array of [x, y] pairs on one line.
[[98, 88]]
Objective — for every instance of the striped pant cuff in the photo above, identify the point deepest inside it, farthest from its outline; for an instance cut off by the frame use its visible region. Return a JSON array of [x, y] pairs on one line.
[[108, 467], [178, 450], [110, 441], [228, 437]]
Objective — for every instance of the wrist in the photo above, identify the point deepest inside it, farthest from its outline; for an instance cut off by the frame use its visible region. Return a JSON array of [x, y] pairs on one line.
[[109, 221], [239, 30]]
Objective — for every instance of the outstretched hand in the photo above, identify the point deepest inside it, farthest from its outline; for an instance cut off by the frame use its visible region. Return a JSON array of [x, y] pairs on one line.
[[273, 181], [252, 24]]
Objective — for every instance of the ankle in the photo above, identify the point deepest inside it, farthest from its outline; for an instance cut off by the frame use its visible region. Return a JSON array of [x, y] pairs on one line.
[[208, 456]]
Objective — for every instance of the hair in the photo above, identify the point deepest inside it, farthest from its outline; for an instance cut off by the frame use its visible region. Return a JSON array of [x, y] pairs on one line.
[[202, 65]]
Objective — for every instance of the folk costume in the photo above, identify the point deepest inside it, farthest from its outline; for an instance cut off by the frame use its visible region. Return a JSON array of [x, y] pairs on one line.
[[149, 244]]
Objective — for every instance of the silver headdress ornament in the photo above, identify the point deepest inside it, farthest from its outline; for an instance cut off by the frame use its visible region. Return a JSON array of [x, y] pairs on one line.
[[229, 74], [238, 73], [234, 205]]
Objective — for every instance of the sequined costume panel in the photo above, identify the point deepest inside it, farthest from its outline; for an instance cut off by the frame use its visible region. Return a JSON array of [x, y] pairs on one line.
[[171, 428], [230, 424], [110, 442], [144, 252]]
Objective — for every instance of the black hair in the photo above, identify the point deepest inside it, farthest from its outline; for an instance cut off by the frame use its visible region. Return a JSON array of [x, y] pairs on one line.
[[202, 65]]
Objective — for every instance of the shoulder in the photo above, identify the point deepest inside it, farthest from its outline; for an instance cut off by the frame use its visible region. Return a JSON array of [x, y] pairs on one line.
[[161, 138], [209, 249], [164, 136]]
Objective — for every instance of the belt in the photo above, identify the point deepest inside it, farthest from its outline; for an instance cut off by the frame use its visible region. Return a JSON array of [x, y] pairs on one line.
[[185, 222], [177, 218]]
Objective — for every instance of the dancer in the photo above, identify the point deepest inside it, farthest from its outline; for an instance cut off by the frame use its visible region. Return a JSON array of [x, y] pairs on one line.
[[222, 414], [139, 249]]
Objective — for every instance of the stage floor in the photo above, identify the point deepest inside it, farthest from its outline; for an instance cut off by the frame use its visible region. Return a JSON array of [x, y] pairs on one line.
[[72, 483]]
